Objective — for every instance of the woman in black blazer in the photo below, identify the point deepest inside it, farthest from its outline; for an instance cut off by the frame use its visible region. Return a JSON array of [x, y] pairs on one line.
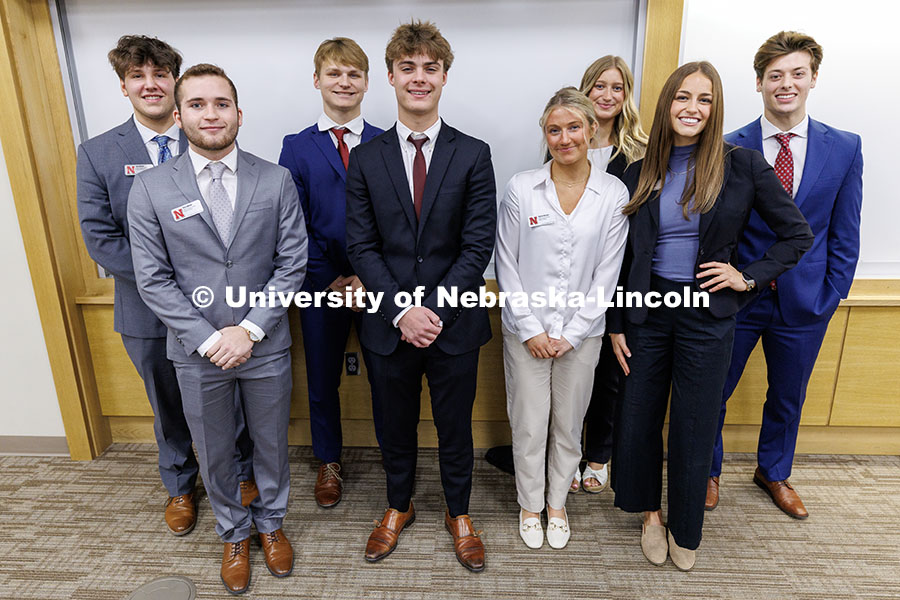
[[692, 195]]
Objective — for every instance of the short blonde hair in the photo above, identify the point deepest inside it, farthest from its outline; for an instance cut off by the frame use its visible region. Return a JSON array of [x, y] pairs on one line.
[[341, 51], [571, 99]]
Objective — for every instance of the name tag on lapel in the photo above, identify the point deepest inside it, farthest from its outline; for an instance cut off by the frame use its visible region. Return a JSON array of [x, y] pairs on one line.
[[187, 210], [538, 220], [132, 170]]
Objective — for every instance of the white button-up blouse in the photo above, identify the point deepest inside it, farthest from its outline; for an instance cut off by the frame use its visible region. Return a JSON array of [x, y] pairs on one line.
[[542, 250]]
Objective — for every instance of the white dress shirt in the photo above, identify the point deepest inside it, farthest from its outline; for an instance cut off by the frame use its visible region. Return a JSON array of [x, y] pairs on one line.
[[229, 182], [408, 150], [354, 129], [599, 157], [798, 144], [148, 134], [579, 252]]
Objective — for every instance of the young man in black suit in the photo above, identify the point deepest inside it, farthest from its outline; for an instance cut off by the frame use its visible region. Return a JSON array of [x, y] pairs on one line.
[[421, 214]]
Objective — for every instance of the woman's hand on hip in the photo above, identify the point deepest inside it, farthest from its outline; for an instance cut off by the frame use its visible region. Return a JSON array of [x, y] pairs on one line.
[[723, 275]]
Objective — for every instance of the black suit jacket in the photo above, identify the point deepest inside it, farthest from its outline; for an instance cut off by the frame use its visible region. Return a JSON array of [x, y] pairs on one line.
[[749, 184], [450, 245]]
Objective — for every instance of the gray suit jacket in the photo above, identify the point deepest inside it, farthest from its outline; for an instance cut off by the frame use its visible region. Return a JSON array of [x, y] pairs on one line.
[[267, 250], [102, 203]]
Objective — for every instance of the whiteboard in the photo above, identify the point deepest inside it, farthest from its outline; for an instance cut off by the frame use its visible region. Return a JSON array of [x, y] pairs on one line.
[[856, 90], [510, 57]]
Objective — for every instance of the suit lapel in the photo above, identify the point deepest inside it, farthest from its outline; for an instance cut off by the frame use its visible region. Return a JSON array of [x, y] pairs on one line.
[[393, 161], [444, 147], [248, 177], [368, 133], [132, 144], [751, 136], [818, 146], [324, 143], [186, 181], [707, 218], [182, 143]]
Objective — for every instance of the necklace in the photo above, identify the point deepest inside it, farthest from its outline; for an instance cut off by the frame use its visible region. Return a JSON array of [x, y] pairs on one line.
[[689, 169], [571, 184]]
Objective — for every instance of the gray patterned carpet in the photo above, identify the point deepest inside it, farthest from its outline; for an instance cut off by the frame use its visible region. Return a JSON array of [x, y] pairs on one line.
[[94, 531]]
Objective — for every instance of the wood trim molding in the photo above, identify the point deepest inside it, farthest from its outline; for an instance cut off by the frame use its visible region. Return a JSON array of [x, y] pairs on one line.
[[662, 46], [35, 133]]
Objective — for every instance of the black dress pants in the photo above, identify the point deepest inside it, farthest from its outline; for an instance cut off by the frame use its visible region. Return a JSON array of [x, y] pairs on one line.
[[598, 422], [689, 350], [451, 382]]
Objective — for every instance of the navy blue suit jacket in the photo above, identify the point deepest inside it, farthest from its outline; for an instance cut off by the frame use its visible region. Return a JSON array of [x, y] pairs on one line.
[[830, 198], [320, 177], [450, 245], [103, 191]]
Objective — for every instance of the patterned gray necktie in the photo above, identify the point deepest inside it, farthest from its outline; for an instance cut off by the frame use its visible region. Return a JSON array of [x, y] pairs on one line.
[[219, 203]]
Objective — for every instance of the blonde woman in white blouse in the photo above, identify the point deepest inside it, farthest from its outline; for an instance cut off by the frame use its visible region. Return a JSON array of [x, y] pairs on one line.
[[560, 231]]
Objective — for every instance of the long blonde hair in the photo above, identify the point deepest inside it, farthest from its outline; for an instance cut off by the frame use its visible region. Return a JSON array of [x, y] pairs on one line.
[[708, 158], [630, 139]]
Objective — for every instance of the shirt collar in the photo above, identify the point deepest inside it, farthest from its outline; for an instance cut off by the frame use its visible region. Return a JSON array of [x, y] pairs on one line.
[[801, 129], [432, 132], [148, 134], [199, 162], [594, 182], [354, 125]]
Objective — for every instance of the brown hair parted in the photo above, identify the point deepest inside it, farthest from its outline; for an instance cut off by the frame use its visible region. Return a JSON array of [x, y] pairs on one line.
[[708, 158], [138, 50], [784, 43], [418, 37], [630, 139], [341, 51], [200, 70]]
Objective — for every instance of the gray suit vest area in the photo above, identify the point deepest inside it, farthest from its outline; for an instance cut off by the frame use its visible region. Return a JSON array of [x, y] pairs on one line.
[[173, 257]]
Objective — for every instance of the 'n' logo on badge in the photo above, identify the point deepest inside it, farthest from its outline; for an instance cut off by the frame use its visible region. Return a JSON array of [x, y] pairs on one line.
[[532, 221], [130, 170]]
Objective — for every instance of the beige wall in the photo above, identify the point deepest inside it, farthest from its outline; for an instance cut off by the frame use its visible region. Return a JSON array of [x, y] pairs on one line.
[[28, 405]]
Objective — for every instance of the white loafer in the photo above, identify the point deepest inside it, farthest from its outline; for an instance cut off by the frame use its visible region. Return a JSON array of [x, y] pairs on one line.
[[558, 531], [531, 531]]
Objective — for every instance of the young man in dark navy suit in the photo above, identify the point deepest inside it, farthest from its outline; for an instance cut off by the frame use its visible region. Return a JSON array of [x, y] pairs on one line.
[[317, 158], [422, 214], [821, 168]]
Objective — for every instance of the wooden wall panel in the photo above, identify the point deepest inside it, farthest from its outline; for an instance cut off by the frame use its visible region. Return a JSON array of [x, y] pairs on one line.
[[868, 387], [745, 405]]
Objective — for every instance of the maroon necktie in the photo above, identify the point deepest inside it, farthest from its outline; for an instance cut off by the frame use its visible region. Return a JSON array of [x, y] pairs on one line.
[[343, 150], [419, 172], [784, 162]]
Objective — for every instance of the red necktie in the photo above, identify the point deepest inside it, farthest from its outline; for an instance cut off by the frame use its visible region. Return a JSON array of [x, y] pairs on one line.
[[784, 162], [419, 172], [343, 150]]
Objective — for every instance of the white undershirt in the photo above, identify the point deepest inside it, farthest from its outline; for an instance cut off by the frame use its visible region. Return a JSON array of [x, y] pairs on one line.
[[148, 134]]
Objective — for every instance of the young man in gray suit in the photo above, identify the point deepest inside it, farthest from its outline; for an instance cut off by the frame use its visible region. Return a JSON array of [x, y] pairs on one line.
[[147, 69], [214, 221]]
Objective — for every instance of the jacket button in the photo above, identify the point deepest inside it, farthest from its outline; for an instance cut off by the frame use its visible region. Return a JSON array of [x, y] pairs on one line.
[[701, 251], [419, 259], [228, 264]]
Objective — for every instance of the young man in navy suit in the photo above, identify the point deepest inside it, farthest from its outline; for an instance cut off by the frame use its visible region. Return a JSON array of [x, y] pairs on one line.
[[821, 168], [317, 158], [107, 164], [421, 215]]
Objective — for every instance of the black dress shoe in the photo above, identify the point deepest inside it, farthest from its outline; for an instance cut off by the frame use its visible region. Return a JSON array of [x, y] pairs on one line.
[[502, 458]]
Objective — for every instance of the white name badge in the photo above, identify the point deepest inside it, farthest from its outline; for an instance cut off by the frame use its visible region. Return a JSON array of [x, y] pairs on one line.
[[538, 220], [187, 210], [132, 170]]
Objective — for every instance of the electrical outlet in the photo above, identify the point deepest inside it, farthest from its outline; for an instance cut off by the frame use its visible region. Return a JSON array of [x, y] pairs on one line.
[[351, 363]]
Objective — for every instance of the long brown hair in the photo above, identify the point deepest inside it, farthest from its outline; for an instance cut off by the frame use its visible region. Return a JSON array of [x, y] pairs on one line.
[[708, 158], [630, 139]]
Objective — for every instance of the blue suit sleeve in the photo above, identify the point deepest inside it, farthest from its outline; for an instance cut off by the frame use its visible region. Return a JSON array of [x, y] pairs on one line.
[[843, 230]]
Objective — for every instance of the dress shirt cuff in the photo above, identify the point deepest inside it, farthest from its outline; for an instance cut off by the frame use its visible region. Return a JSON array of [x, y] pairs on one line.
[[396, 321], [205, 346], [573, 336], [254, 328], [528, 327]]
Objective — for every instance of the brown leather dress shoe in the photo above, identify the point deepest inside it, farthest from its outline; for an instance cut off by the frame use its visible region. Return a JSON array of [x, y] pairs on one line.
[[329, 485], [712, 493], [236, 566], [181, 514], [279, 553], [466, 541], [782, 494], [249, 492], [383, 538]]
